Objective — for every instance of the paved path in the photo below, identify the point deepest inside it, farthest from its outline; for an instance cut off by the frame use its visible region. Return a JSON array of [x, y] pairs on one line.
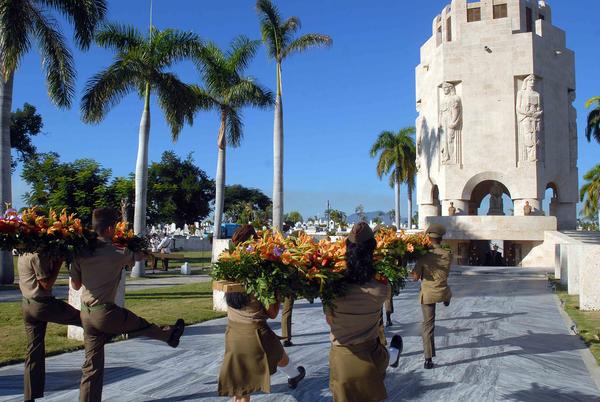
[[502, 338], [140, 284]]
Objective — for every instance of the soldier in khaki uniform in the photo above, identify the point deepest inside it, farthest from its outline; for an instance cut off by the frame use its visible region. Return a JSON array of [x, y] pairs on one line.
[[433, 270], [37, 274], [358, 359], [99, 274]]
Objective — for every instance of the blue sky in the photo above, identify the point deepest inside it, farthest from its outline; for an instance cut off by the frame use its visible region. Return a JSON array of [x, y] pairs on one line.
[[336, 100]]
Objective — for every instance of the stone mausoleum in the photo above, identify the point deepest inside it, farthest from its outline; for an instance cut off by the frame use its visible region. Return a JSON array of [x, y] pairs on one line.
[[494, 94]]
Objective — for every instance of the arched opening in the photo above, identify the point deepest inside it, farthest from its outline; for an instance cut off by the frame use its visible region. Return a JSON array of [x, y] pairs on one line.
[[490, 197], [435, 196], [550, 203]]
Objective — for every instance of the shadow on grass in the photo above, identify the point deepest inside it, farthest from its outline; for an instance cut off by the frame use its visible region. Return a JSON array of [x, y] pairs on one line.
[[174, 295]]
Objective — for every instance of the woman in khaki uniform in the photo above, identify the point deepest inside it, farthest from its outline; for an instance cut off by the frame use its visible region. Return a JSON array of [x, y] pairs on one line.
[[252, 350], [358, 358]]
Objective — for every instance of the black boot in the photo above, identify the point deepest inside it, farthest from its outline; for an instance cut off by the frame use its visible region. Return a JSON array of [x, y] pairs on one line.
[[388, 322], [428, 364], [178, 329], [397, 344], [293, 382]]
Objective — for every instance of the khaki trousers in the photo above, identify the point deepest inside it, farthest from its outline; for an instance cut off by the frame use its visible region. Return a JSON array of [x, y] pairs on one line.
[[99, 326], [286, 318], [37, 315], [428, 330]]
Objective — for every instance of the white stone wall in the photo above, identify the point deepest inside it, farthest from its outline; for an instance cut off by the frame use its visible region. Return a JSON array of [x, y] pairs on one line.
[[487, 62], [589, 277]]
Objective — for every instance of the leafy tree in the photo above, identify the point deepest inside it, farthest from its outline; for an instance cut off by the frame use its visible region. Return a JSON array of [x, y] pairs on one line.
[[292, 218], [337, 216], [227, 91], [178, 191], [79, 186], [397, 157], [236, 194], [360, 211], [590, 194], [24, 124], [593, 122], [140, 66], [22, 23], [278, 36]]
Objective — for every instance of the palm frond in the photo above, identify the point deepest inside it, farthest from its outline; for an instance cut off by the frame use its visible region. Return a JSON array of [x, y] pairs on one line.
[[306, 42], [234, 127], [241, 52], [85, 15], [104, 90], [270, 21], [590, 192], [384, 140], [15, 24], [177, 100], [121, 38], [204, 100], [248, 92], [592, 129], [172, 45], [57, 59]]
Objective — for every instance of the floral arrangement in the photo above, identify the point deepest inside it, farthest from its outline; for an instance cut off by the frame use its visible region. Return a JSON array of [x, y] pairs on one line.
[[60, 235], [273, 266], [124, 237]]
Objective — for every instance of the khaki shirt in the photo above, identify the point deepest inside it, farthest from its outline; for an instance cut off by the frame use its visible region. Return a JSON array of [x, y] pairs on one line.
[[31, 268], [254, 312], [356, 316], [100, 273], [433, 269]]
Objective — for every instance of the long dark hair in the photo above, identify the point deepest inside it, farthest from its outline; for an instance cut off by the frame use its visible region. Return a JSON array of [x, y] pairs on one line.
[[237, 300], [359, 261]]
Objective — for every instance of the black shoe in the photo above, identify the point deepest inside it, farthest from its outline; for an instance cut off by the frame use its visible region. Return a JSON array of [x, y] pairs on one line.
[[397, 343], [178, 329], [287, 344], [428, 364], [293, 382], [446, 303]]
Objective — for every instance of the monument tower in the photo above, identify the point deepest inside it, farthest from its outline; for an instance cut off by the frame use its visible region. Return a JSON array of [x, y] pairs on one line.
[[494, 90]]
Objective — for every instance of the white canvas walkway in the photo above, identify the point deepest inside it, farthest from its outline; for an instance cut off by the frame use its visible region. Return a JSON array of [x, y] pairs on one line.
[[502, 338]]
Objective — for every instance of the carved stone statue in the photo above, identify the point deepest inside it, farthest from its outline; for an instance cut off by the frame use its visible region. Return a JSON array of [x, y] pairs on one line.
[[450, 125], [124, 207], [419, 134], [572, 130], [527, 209], [451, 209], [496, 203], [529, 116]]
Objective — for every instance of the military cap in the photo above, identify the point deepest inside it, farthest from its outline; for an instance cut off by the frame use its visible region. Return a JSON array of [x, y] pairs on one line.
[[436, 230], [361, 232]]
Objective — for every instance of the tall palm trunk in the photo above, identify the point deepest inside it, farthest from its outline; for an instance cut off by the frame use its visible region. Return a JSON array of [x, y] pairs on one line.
[[141, 179], [278, 157], [397, 202], [7, 275], [410, 206], [220, 180]]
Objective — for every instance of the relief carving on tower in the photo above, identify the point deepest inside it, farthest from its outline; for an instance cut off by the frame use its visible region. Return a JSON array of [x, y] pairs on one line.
[[529, 117], [451, 120], [572, 129]]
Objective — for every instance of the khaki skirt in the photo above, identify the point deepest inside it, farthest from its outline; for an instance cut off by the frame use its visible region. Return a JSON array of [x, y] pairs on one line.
[[252, 352], [357, 372]]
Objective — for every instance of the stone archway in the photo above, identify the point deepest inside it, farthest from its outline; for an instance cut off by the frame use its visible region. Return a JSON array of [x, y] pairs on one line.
[[552, 204], [483, 185]]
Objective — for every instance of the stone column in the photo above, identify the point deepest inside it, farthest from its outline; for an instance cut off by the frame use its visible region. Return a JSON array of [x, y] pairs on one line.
[[426, 210], [218, 246], [76, 333], [589, 278]]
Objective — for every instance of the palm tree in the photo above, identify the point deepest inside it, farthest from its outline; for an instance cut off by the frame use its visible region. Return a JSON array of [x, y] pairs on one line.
[[397, 156], [227, 90], [21, 23], [593, 121], [278, 36], [590, 194], [140, 66]]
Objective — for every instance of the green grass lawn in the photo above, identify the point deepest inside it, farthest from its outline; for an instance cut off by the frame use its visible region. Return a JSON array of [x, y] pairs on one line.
[[191, 302], [588, 322]]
